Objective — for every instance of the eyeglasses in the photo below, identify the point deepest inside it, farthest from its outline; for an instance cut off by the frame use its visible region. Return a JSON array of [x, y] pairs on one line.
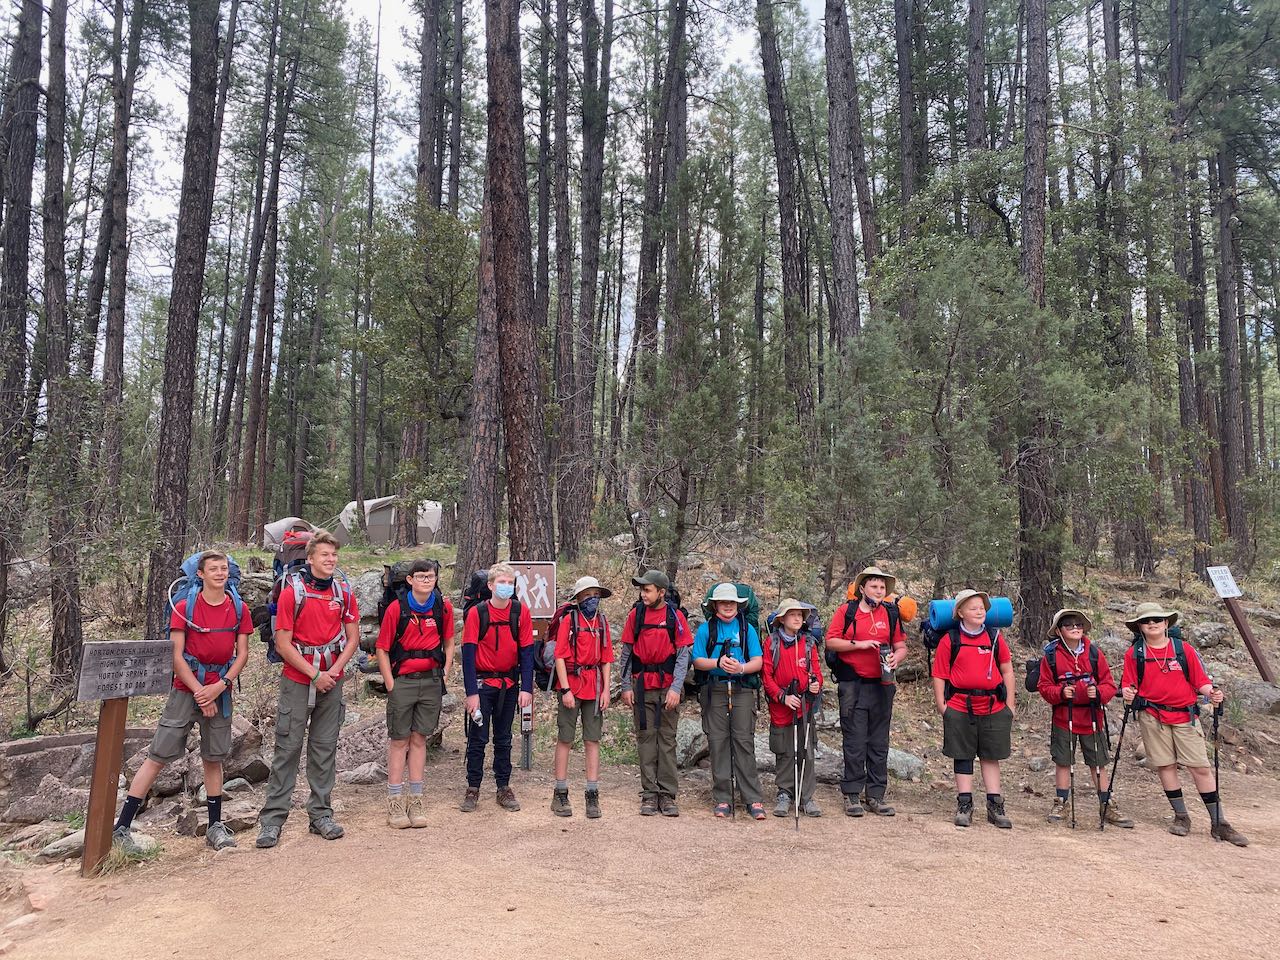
[[424, 576]]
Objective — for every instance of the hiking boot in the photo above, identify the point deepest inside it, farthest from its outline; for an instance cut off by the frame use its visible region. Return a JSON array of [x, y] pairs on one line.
[[219, 836], [783, 806], [811, 808], [506, 798], [648, 806], [1181, 825], [881, 809], [398, 812], [593, 804], [560, 803], [1117, 819], [1059, 811], [996, 814], [1224, 831], [668, 806], [964, 811], [268, 836], [852, 806], [469, 800], [417, 811], [124, 837], [327, 828]]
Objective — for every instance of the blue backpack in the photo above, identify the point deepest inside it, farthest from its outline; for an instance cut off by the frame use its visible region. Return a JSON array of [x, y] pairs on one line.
[[189, 584]]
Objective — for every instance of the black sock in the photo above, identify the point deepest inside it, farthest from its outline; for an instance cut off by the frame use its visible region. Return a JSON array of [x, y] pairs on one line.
[[1062, 793], [993, 798], [1104, 796], [129, 811], [1212, 805], [965, 797], [1176, 801], [215, 809]]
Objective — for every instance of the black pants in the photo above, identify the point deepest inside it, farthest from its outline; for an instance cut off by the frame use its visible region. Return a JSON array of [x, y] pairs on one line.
[[866, 707], [498, 708]]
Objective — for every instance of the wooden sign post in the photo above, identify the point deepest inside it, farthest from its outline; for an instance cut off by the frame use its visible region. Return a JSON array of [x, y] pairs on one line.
[[536, 591], [1225, 585], [113, 671]]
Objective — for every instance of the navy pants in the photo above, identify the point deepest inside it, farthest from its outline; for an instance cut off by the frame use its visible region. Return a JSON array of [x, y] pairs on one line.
[[498, 707]]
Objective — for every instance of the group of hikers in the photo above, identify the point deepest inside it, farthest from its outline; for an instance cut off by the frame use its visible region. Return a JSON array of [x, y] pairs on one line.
[[315, 635]]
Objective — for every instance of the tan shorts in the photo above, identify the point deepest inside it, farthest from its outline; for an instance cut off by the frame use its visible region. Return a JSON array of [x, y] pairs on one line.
[[180, 712], [413, 705], [1170, 743]]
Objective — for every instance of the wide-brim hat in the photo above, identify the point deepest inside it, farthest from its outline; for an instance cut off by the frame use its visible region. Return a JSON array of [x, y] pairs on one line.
[[964, 595], [890, 581], [654, 578], [789, 604], [1062, 615], [727, 592], [1148, 611], [588, 583]]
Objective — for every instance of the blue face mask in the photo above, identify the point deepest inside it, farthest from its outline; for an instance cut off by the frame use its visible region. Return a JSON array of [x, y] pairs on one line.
[[504, 591], [589, 606]]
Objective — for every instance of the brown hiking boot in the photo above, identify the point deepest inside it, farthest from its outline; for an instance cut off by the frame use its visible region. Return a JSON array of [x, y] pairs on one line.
[[1117, 819], [593, 804], [668, 806], [996, 814], [1224, 831], [964, 811], [417, 812], [878, 807], [648, 806], [1181, 825], [560, 803], [506, 798], [1058, 812], [398, 812], [470, 800]]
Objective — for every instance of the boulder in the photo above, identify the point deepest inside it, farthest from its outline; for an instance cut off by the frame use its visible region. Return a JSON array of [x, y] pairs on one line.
[[51, 799], [64, 848], [368, 591], [361, 742], [365, 775], [828, 763], [623, 541], [1208, 634], [37, 835], [247, 759], [691, 742], [905, 766], [28, 582], [1038, 764], [68, 758], [170, 781]]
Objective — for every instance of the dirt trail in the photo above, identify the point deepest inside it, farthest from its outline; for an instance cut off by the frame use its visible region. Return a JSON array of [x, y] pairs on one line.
[[528, 885]]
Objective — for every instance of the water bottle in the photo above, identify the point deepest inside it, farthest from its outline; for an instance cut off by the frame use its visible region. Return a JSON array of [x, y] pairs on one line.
[[886, 670], [477, 717]]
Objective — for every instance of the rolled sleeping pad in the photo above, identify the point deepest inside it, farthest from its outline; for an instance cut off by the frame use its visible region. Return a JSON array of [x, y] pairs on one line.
[[942, 613]]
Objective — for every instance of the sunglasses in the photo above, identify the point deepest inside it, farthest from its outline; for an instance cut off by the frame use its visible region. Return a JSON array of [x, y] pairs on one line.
[[1151, 620], [1073, 626]]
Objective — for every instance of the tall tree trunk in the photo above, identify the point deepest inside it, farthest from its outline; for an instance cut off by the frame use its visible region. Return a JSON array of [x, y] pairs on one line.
[[903, 12], [190, 248], [542, 275], [976, 113], [1232, 421], [528, 490], [564, 369], [455, 116], [842, 116], [428, 96]]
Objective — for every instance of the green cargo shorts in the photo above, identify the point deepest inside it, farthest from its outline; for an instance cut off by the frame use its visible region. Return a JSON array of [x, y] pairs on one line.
[[413, 705], [567, 721], [1092, 745], [988, 737], [180, 712]]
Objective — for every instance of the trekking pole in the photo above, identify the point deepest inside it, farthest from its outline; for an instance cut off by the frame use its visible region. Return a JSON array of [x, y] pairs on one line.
[[1217, 784], [733, 764], [1071, 735], [1115, 763], [795, 756], [1095, 772], [807, 718]]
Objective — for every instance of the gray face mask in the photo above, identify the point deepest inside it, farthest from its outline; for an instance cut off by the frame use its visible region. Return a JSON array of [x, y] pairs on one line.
[[589, 606]]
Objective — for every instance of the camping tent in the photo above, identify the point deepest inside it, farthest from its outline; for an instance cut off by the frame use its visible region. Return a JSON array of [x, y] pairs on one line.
[[273, 533], [380, 518]]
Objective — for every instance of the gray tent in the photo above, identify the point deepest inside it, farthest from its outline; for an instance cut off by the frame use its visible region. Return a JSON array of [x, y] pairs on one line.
[[380, 518], [273, 533]]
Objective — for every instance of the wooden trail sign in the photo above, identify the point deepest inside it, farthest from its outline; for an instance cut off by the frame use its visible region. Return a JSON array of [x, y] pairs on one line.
[[113, 671], [1225, 585]]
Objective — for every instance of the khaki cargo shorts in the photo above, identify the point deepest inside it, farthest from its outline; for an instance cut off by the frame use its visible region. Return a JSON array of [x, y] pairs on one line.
[[567, 721], [1170, 743], [180, 712], [413, 705]]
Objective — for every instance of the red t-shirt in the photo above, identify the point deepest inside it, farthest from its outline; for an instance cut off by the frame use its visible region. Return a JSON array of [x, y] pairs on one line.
[[591, 647], [1163, 680], [420, 633], [1082, 714], [652, 643], [791, 666], [977, 668], [320, 621], [218, 646], [498, 652], [867, 625]]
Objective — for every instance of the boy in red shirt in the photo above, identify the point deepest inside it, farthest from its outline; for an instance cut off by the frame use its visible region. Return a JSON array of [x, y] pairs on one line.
[[415, 652], [584, 655], [792, 684], [1161, 681], [497, 651], [208, 639], [317, 633], [656, 643], [1076, 681], [864, 633], [973, 689]]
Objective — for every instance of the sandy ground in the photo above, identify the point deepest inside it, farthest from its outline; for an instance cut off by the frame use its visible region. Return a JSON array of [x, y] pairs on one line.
[[529, 885]]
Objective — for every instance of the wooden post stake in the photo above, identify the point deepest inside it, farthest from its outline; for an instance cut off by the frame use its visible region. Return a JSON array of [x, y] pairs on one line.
[[108, 755], [1250, 642]]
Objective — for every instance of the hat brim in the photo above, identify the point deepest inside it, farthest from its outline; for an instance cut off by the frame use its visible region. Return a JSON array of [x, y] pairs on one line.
[[605, 592], [1169, 616], [1062, 615]]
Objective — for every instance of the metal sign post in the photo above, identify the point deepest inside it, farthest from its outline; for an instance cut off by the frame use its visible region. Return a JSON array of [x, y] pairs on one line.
[[113, 671], [1225, 585]]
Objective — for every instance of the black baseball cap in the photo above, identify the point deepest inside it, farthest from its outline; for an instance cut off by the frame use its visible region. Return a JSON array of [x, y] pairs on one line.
[[654, 578]]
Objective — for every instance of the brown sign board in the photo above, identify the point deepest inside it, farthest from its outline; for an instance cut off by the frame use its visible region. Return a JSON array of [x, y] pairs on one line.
[[536, 587], [125, 668]]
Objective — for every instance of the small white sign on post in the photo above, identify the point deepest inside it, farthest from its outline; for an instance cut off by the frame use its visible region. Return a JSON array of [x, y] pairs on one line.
[[1223, 582], [536, 587]]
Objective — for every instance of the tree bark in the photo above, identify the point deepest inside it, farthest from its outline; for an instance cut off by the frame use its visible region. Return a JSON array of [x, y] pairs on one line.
[[1232, 421], [903, 12], [542, 275], [842, 117], [565, 361], [455, 117]]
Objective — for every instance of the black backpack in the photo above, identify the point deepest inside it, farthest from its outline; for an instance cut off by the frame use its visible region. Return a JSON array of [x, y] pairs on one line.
[[670, 624], [993, 634], [1179, 653], [716, 645], [1048, 655], [841, 670], [476, 590]]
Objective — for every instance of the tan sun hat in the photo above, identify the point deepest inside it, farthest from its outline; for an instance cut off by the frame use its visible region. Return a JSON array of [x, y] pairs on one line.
[[789, 604], [1062, 615], [890, 581], [725, 591], [964, 595], [1147, 611], [588, 583]]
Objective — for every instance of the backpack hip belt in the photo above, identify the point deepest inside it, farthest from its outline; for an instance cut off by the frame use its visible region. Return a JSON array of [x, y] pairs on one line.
[[204, 671], [995, 693], [399, 656], [1141, 703], [326, 655], [513, 674]]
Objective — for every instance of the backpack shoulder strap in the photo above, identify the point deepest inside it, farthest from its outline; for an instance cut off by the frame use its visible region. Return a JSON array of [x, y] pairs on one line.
[[850, 616], [299, 587], [513, 621], [1139, 649], [956, 643], [482, 620], [671, 623], [1050, 652], [895, 616], [1180, 652], [1093, 659], [405, 614], [437, 613], [238, 602]]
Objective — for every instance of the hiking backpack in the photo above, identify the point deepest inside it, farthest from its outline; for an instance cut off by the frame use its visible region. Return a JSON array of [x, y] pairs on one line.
[[482, 631], [748, 616], [544, 653], [1179, 653], [396, 589], [189, 584], [1031, 683], [476, 590], [993, 634], [841, 670], [671, 623]]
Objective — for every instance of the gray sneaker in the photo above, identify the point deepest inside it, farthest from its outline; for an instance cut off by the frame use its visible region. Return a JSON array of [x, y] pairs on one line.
[[783, 806], [124, 837], [852, 805], [268, 836], [327, 827], [811, 808], [219, 836]]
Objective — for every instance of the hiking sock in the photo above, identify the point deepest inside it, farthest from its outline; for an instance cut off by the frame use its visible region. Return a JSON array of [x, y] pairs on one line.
[[562, 784], [593, 785], [415, 788], [1175, 800], [1104, 796], [993, 799], [1212, 805], [395, 789], [965, 796], [128, 811], [215, 809], [1062, 793]]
